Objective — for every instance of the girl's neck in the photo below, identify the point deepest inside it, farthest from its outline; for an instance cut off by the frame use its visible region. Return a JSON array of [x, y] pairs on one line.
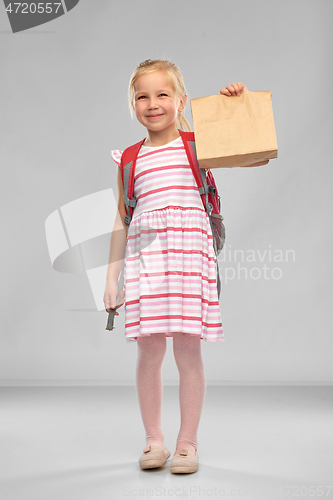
[[155, 139]]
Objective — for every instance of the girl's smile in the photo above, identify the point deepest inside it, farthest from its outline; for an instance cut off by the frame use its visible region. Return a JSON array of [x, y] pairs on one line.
[[153, 117]]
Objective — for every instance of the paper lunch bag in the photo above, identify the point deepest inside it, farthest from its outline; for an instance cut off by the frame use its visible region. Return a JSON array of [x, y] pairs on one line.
[[234, 131]]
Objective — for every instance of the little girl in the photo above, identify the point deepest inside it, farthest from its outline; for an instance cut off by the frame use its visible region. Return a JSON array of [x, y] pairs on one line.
[[169, 271]]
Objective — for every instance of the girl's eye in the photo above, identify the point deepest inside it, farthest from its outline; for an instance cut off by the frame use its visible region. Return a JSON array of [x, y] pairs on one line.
[[144, 97]]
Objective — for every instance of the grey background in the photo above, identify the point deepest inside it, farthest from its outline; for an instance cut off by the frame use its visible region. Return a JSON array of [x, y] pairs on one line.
[[64, 107]]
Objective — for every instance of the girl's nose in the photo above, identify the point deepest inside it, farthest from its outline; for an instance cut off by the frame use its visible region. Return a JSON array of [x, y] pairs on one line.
[[152, 104]]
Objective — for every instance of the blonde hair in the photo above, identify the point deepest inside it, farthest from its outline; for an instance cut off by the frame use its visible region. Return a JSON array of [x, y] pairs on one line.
[[151, 65]]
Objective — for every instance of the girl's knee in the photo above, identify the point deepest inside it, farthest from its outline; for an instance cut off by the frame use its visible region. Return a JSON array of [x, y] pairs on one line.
[[186, 341]]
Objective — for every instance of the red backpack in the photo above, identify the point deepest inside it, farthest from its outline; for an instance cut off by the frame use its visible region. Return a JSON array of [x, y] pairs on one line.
[[205, 181]]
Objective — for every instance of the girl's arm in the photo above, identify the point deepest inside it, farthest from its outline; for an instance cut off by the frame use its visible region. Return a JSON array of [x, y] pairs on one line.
[[117, 253], [118, 236], [238, 89]]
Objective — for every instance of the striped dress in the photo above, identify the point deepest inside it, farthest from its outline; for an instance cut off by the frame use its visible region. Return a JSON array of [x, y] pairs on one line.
[[170, 263]]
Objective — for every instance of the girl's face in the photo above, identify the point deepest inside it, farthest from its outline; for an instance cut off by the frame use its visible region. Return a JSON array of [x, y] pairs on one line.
[[156, 102]]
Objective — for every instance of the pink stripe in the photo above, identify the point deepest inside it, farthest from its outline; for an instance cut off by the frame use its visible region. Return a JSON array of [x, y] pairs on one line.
[[176, 208], [168, 229], [192, 301], [160, 152], [165, 324], [174, 294], [171, 273], [186, 260], [165, 168], [181, 188]]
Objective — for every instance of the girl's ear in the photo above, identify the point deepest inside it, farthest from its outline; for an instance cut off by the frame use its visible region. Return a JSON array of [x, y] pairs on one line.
[[182, 103]]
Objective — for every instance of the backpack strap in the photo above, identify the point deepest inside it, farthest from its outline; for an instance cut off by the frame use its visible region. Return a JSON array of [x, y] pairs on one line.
[[127, 165], [200, 177], [199, 173]]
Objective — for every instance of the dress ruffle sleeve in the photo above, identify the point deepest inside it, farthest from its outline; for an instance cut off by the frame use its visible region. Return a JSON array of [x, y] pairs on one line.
[[116, 155]]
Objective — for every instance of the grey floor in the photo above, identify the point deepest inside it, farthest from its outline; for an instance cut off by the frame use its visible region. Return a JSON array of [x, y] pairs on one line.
[[80, 443]]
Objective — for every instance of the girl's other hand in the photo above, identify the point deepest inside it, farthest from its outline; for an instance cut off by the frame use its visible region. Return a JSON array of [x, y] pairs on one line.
[[110, 296], [233, 89]]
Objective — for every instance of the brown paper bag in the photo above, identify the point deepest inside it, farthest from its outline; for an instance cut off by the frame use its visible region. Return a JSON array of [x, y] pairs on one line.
[[234, 131]]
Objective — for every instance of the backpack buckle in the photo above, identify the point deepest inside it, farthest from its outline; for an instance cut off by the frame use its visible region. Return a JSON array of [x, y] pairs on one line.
[[209, 208], [212, 189], [127, 219]]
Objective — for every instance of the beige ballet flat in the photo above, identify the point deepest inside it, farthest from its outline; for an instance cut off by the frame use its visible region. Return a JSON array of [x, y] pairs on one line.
[[153, 456], [184, 462]]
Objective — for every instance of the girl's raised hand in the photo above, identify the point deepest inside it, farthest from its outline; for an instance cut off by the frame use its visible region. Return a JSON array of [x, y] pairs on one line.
[[233, 89]]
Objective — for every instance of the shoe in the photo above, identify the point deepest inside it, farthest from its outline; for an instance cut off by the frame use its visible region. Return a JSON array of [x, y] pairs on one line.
[[184, 462], [153, 456]]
